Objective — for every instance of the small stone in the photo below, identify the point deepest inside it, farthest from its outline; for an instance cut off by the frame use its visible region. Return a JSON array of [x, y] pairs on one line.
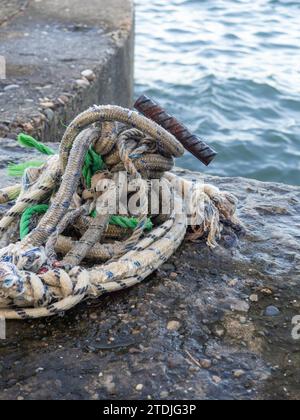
[[109, 384], [89, 75], [272, 311], [173, 326], [238, 373], [173, 275], [139, 387], [134, 350], [93, 316], [243, 320], [205, 363], [240, 306], [220, 332], [266, 291], [46, 105], [64, 98], [82, 83], [11, 87], [217, 380], [254, 298], [20, 398], [232, 283]]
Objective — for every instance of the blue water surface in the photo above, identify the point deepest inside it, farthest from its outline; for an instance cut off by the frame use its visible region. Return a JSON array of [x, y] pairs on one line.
[[230, 69]]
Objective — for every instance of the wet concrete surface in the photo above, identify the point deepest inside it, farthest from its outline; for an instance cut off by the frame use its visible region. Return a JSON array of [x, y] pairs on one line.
[[47, 45], [221, 345]]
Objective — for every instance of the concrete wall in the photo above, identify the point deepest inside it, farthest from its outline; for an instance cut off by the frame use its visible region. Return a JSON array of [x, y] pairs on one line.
[[47, 45]]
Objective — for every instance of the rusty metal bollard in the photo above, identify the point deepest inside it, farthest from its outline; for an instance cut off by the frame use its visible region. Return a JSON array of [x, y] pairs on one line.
[[191, 142]]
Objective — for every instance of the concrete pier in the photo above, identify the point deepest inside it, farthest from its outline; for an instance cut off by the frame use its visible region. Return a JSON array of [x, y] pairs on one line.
[[47, 44]]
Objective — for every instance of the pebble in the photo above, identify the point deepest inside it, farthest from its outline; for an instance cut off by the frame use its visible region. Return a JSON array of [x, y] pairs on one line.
[[109, 384], [139, 387], [238, 373], [11, 87], [240, 306], [205, 363], [49, 104], [219, 332], [232, 283], [173, 275], [217, 380], [173, 326], [63, 99], [89, 75], [254, 298], [82, 83], [272, 311], [267, 292]]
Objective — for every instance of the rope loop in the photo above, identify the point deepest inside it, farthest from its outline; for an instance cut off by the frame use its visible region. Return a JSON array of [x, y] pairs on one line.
[[77, 247]]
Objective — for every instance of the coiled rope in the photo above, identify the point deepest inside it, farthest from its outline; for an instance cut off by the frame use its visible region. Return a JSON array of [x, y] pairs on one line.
[[49, 269]]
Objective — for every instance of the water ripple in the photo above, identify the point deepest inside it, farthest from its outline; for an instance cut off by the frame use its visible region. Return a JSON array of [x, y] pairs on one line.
[[230, 70]]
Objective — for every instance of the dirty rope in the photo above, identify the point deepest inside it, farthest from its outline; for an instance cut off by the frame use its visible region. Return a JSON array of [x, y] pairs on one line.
[[63, 241]]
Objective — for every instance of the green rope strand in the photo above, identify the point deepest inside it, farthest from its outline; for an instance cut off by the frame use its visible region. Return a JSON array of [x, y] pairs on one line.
[[19, 169], [30, 142], [27, 216], [126, 222], [92, 164], [129, 222], [123, 222]]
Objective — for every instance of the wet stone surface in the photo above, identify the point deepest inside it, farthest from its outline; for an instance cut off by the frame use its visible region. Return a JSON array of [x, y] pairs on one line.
[[196, 329]]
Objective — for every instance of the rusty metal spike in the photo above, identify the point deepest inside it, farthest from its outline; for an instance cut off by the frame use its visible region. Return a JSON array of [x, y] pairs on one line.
[[191, 142]]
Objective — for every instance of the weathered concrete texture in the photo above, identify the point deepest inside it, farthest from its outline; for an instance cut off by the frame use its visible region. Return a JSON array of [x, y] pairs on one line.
[[222, 346], [47, 44], [11, 8]]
